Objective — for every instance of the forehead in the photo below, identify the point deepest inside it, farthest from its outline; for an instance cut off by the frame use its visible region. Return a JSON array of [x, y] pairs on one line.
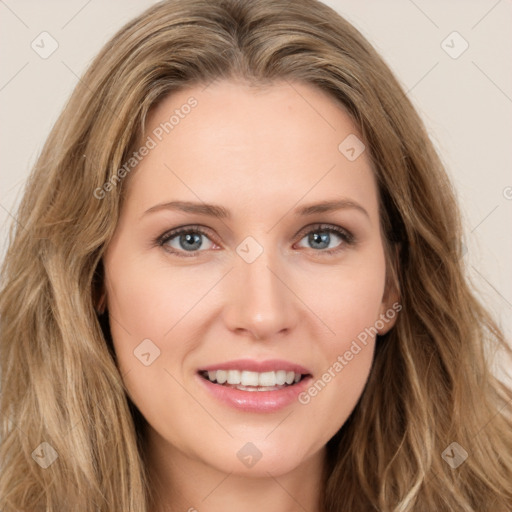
[[230, 143]]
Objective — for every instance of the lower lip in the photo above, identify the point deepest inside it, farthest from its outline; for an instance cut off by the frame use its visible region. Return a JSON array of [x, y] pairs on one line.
[[256, 401]]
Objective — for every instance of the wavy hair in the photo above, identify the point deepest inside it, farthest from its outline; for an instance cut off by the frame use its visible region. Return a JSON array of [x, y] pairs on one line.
[[430, 384]]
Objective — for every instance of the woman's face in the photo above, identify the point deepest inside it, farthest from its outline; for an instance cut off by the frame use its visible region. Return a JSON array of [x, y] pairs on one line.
[[278, 273]]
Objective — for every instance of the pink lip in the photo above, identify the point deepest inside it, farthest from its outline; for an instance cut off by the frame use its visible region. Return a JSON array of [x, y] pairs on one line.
[[256, 401], [271, 365]]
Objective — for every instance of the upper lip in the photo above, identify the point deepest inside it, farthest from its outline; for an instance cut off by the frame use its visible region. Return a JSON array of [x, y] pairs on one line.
[[270, 365]]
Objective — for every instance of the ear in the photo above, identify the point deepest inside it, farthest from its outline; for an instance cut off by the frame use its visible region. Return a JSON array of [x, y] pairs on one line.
[[388, 313], [390, 305]]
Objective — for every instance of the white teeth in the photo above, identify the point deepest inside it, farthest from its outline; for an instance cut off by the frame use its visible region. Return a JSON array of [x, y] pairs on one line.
[[254, 379], [233, 377], [249, 378], [280, 377], [221, 377], [267, 379]]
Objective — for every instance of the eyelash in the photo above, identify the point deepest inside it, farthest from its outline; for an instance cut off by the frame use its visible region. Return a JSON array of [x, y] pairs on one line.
[[348, 238]]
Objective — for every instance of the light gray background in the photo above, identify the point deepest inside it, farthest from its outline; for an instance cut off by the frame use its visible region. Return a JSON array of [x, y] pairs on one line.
[[465, 101]]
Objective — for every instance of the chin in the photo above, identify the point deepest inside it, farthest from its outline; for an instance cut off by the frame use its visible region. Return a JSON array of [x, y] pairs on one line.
[[259, 458]]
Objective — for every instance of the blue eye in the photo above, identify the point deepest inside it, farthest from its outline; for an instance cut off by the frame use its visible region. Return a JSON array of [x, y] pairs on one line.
[[188, 241], [184, 240], [321, 237]]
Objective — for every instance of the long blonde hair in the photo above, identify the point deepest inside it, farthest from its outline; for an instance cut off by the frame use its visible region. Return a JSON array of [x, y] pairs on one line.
[[430, 384]]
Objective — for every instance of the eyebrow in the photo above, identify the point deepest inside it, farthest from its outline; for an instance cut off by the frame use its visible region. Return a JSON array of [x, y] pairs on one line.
[[220, 212], [329, 206], [211, 210]]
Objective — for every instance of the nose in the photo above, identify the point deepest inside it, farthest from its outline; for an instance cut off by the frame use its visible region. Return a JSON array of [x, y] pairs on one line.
[[260, 303]]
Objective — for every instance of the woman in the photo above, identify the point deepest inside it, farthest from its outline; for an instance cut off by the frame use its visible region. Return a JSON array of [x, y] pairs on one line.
[[236, 281]]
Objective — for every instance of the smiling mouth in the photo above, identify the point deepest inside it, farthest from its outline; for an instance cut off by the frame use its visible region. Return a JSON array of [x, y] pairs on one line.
[[245, 380]]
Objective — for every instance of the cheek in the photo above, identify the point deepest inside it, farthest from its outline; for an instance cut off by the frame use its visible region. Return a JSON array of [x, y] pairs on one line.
[[147, 302], [348, 298], [332, 396], [150, 310], [347, 360], [350, 304]]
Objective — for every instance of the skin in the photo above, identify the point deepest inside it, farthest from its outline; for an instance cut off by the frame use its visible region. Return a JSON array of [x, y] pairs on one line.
[[260, 153]]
